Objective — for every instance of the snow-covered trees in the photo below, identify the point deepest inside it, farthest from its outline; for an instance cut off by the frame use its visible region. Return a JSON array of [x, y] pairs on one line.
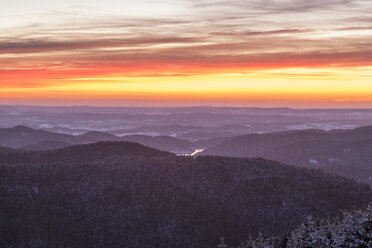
[[351, 229]]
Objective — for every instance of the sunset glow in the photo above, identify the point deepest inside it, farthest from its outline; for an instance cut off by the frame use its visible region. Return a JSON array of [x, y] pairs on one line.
[[243, 53]]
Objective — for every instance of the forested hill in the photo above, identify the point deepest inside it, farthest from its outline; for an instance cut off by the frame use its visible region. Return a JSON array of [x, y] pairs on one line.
[[159, 200], [344, 152], [84, 153], [305, 142]]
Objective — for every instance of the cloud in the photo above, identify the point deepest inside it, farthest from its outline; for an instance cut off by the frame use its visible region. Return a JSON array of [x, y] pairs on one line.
[[211, 36], [32, 46], [356, 28], [277, 6], [263, 33]]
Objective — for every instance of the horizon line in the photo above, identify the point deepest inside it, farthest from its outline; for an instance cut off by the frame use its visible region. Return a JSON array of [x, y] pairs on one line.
[[181, 106]]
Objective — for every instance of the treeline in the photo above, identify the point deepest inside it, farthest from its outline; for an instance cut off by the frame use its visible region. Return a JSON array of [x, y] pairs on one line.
[[161, 201]]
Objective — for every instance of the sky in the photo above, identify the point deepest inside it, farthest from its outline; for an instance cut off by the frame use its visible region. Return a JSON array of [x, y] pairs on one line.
[[187, 52]]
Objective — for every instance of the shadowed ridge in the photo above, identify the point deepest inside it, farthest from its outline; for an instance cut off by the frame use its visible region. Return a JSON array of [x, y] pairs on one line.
[[46, 145], [21, 128], [108, 148], [94, 152]]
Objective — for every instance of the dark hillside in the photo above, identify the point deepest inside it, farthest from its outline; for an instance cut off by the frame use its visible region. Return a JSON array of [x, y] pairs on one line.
[[163, 143], [84, 153], [140, 197]]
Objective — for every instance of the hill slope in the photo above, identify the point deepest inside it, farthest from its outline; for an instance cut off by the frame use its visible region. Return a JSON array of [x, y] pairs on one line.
[[147, 198]]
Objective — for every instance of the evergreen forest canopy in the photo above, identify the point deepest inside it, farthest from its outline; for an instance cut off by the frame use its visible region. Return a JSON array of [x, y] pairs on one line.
[[121, 194]]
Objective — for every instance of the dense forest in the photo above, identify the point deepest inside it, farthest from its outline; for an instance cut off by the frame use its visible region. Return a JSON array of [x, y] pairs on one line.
[[127, 195], [351, 229]]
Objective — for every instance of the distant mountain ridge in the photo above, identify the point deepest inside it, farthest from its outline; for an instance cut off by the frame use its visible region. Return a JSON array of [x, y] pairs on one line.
[[191, 123], [22, 137]]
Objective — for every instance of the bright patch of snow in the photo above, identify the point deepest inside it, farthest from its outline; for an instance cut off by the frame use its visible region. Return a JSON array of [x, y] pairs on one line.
[[191, 154], [36, 190], [314, 161]]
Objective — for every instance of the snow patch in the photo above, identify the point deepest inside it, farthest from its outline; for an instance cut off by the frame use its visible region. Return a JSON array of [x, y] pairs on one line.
[[36, 190], [191, 154], [313, 161]]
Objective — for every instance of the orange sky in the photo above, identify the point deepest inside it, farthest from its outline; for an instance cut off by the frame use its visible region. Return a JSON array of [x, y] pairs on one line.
[[158, 53]]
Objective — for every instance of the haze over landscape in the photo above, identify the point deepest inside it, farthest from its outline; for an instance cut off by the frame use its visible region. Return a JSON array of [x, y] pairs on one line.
[[186, 124]]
